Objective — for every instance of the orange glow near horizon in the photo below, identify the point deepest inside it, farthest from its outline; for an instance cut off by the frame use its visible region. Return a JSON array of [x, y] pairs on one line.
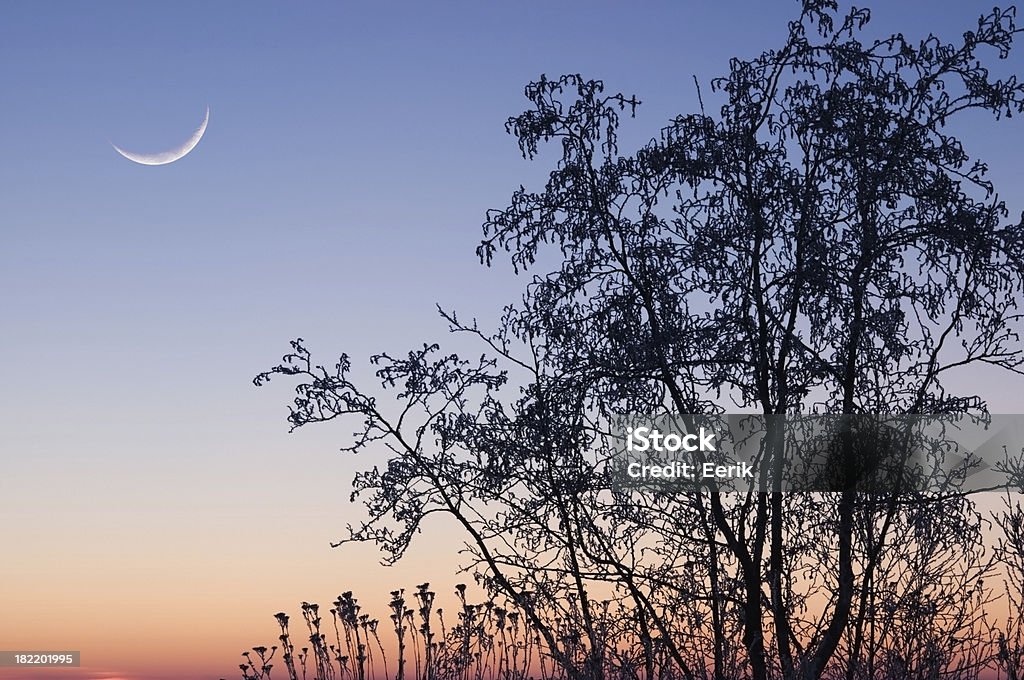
[[158, 616]]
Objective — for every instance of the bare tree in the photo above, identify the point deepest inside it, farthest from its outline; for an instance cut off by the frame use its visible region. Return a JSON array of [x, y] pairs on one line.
[[820, 243], [1010, 553]]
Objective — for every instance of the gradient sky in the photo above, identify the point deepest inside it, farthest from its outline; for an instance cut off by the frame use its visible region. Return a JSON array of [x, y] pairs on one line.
[[154, 512]]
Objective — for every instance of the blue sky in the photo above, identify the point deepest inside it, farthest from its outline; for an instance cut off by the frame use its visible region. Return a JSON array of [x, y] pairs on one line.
[[351, 154]]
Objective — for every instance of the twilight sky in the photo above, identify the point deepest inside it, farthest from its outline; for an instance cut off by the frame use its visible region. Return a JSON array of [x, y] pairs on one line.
[[154, 512]]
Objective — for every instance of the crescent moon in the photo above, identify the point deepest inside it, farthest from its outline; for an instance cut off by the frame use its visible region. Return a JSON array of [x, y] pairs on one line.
[[165, 157]]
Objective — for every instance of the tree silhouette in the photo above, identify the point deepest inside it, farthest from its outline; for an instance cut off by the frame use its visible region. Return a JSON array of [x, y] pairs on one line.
[[820, 243]]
